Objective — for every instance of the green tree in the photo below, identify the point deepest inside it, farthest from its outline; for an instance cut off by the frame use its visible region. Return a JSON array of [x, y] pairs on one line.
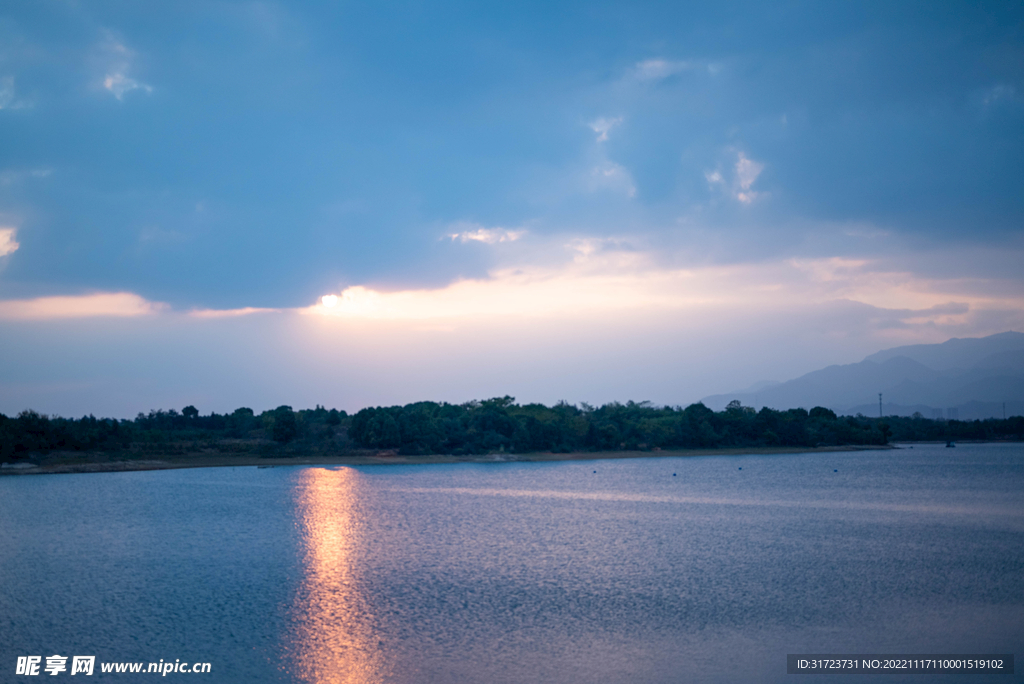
[[285, 427], [822, 413], [884, 428]]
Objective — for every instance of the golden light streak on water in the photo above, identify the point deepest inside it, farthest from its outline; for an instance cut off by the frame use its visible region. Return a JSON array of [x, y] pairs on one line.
[[336, 642]]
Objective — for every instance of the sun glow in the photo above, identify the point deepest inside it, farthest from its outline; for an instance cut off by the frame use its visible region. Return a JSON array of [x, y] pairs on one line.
[[608, 282]]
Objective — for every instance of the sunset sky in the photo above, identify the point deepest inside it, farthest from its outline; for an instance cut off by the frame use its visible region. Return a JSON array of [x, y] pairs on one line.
[[256, 203]]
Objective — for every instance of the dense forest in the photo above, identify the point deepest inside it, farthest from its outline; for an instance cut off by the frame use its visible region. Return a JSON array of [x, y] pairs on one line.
[[477, 427]]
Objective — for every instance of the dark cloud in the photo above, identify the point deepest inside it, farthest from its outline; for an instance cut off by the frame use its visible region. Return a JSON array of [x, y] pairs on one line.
[[291, 148]]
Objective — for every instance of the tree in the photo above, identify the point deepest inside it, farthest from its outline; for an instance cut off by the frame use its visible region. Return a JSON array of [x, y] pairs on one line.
[[285, 427], [886, 431], [190, 412]]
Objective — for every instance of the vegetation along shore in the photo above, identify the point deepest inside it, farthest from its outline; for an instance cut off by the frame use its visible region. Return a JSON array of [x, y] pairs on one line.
[[428, 432]]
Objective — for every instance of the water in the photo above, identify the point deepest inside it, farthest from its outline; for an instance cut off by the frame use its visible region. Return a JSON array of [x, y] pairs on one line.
[[531, 572]]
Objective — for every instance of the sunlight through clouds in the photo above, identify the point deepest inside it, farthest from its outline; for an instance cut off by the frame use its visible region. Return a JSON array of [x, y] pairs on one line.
[[602, 280], [647, 171]]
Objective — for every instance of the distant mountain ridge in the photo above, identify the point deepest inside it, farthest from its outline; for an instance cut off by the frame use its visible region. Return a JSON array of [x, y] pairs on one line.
[[965, 378]]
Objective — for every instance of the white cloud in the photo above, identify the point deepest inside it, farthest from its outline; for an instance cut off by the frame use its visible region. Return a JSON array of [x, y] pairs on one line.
[[12, 176], [8, 97], [119, 85], [611, 176], [155, 234], [229, 313], [117, 60], [6, 92], [745, 173], [657, 69], [652, 70], [997, 93], [473, 232], [603, 125], [8, 245], [114, 304], [119, 304]]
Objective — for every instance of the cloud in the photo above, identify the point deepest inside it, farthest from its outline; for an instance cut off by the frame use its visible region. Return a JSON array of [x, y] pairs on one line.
[[603, 125], [6, 92], [12, 176], [997, 93], [118, 60], [652, 70], [8, 245], [155, 234], [473, 232], [606, 319], [119, 304], [229, 313], [8, 96], [119, 85], [116, 304], [745, 173], [611, 176], [600, 279], [658, 69]]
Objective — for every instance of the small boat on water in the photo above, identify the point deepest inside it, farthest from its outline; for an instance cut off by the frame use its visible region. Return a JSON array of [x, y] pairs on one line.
[[950, 444]]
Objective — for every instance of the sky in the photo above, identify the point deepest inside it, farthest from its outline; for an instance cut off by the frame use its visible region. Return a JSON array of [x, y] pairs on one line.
[[349, 204]]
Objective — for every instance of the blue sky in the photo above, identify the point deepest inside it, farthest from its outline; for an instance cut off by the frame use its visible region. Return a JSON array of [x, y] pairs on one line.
[[589, 201]]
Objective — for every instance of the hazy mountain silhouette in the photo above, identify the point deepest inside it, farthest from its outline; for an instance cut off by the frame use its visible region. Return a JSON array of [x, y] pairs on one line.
[[973, 376]]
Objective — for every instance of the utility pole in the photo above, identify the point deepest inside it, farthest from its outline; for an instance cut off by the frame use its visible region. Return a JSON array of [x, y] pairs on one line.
[[879, 404], [1004, 410]]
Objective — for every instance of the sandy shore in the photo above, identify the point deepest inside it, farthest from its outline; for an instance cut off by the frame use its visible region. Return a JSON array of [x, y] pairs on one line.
[[70, 462]]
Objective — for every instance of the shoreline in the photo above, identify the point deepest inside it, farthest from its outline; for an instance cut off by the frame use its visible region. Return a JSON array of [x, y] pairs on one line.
[[62, 463]]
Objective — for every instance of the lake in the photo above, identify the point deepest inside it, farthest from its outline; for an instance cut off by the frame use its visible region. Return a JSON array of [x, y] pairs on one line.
[[700, 569]]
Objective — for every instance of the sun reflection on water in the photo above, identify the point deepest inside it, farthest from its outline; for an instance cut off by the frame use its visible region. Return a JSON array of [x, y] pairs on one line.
[[335, 641]]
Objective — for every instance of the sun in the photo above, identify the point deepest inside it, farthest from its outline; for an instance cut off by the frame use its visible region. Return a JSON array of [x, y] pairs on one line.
[[330, 301]]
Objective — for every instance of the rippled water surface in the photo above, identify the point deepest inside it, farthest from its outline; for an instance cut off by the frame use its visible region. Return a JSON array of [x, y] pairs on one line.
[[705, 569]]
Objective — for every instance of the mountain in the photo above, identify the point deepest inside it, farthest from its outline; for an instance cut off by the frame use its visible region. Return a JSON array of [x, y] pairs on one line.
[[964, 378], [956, 353]]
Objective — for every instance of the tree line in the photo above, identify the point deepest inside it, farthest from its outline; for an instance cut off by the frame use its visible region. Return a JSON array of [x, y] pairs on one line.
[[478, 427]]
